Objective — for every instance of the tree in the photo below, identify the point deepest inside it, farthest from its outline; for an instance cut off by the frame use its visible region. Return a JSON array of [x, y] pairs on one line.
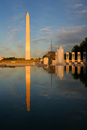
[[32, 58], [44, 56], [75, 49], [50, 55], [81, 48]]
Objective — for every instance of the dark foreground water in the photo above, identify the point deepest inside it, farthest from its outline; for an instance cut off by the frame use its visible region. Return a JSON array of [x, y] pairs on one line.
[[53, 98]]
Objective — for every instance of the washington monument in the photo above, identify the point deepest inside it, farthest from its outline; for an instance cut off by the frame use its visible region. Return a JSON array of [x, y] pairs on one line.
[[27, 55]]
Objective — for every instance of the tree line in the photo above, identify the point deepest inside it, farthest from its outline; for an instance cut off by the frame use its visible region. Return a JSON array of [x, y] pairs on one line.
[[81, 48]]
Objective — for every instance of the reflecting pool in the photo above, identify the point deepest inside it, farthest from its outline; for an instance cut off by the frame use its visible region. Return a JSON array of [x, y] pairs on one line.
[[48, 98]]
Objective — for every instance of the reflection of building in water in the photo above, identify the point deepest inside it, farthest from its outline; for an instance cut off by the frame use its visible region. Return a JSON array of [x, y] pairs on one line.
[[46, 67], [67, 69], [60, 71], [84, 69], [50, 69], [73, 69], [28, 87], [78, 69], [55, 69]]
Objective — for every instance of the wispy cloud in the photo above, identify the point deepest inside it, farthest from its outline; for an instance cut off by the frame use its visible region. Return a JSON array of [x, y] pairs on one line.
[[70, 28], [70, 38], [4, 47], [64, 32], [65, 36], [16, 17], [46, 29], [13, 32], [8, 51], [19, 44], [9, 26], [40, 51], [11, 36], [39, 39], [78, 5], [12, 43], [83, 11]]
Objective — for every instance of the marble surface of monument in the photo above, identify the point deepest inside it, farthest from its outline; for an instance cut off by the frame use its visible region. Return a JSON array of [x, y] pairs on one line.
[[60, 56], [27, 55], [46, 61], [67, 57], [73, 57], [78, 56]]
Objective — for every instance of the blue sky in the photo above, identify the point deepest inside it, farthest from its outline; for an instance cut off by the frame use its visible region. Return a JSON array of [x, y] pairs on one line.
[[63, 21]]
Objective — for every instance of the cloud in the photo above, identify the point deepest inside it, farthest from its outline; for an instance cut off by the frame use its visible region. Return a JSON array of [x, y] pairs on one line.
[[19, 45], [9, 26], [13, 32], [45, 94], [83, 11], [8, 51], [73, 28], [4, 48], [65, 88], [78, 5], [72, 35], [65, 36], [11, 36], [39, 39], [70, 38], [12, 43], [46, 29], [40, 51], [16, 17]]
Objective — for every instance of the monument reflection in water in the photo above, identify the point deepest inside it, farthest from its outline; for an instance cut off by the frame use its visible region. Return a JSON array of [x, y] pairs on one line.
[[60, 73], [61, 103], [76, 72], [28, 87]]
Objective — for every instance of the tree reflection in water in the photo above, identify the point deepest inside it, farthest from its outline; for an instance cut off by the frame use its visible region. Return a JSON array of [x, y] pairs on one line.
[[77, 72]]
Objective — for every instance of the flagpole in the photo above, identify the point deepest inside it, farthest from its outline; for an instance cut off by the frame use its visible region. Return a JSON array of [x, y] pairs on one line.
[[51, 44]]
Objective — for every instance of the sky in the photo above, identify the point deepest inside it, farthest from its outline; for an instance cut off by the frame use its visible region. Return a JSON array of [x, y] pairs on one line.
[[62, 21]]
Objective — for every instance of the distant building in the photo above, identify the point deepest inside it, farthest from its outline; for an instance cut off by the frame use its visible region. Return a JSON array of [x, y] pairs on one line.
[[1, 58]]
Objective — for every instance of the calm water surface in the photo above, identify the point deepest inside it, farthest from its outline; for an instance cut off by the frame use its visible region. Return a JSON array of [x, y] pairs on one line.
[[53, 98]]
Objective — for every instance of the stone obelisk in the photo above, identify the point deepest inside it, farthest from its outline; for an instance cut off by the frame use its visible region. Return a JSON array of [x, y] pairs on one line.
[[27, 57]]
